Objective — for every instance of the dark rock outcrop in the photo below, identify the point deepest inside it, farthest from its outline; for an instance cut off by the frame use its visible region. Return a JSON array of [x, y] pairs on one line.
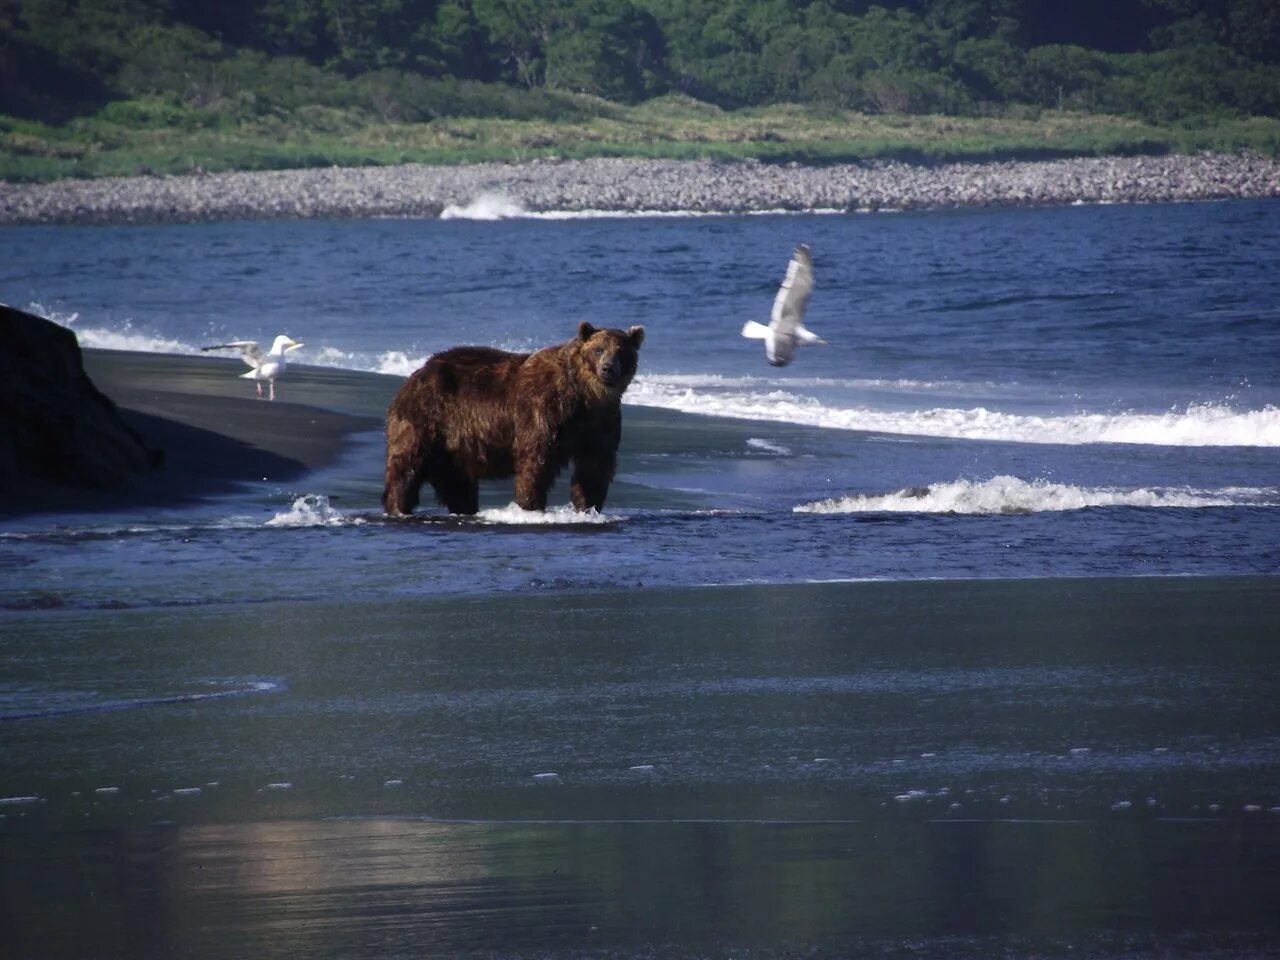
[[58, 432]]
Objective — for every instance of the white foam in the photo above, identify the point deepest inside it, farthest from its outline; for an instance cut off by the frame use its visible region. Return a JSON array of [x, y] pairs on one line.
[[487, 206], [398, 363], [311, 510], [1005, 494], [512, 514], [1197, 425], [18, 801], [716, 381], [496, 205]]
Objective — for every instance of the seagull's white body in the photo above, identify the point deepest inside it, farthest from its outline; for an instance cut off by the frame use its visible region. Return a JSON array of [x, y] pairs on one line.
[[265, 366], [786, 329]]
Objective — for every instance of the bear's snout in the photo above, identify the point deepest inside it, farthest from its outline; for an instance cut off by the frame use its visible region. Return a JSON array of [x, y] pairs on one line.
[[610, 369]]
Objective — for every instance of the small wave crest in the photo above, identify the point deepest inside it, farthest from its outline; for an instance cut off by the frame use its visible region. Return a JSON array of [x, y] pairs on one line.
[[499, 206], [125, 337], [1012, 495], [219, 690], [311, 510], [759, 444]]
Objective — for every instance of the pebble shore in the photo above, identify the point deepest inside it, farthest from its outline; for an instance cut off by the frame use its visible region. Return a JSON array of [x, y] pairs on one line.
[[622, 185]]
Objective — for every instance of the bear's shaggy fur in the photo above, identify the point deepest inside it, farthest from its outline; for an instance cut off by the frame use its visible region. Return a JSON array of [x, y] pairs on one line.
[[475, 413]]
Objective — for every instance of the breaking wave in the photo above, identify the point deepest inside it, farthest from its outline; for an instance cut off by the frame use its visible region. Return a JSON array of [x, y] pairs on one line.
[[487, 206], [1011, 495], [1196, 425], [123, 337]]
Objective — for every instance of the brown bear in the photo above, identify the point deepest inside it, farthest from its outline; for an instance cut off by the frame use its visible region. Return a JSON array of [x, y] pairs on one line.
[[475, 413]]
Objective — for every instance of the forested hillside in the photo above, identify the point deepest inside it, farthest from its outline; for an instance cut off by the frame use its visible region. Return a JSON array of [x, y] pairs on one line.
[[80, 78], [1158, 59]]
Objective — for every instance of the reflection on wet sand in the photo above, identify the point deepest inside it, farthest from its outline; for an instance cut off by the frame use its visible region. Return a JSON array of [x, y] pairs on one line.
[[391, 888]]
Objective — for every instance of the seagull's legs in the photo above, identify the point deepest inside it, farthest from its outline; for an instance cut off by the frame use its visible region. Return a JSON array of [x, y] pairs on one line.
[[259, 386], [272, 395]]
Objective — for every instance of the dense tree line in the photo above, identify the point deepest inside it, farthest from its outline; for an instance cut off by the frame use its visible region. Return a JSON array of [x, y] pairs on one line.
[[415, 59]]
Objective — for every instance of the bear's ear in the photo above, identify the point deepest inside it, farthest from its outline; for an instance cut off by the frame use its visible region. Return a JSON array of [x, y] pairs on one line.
[[585, 330], [637, 336]]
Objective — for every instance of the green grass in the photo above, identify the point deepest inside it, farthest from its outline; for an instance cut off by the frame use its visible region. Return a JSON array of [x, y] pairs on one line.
[[134, 137]]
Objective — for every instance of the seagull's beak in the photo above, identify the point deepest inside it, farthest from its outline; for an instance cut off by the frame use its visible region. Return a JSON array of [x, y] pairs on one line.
[[294, 345]]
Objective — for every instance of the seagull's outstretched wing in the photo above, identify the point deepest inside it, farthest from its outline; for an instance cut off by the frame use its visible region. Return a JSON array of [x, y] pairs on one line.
[[250, 352], [793, 295]]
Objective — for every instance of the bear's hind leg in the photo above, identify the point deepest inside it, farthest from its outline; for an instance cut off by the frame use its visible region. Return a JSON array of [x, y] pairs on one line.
[[403, 479], [401, 490]]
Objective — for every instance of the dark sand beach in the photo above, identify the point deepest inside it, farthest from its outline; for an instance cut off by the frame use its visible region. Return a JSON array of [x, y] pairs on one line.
[[933, 769], [213, 432]]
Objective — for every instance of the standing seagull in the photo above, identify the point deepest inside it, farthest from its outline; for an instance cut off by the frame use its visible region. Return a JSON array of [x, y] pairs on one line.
[[266, 366], [786, 329]]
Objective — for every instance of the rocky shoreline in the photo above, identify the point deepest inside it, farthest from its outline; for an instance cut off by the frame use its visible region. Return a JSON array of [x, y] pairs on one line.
[[622, 185]]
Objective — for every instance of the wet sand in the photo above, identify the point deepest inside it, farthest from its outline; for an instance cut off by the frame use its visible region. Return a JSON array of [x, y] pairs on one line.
[[1011, 769], [213, 431]]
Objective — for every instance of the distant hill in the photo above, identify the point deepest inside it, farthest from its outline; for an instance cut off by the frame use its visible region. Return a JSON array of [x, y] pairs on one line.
[[80, 79], [1159, 59]]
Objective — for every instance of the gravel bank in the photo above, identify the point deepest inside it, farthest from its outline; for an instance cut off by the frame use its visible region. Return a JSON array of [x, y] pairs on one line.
[[416, 190]]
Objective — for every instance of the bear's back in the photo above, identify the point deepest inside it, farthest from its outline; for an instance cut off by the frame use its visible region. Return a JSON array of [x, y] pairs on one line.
[[483, 371]]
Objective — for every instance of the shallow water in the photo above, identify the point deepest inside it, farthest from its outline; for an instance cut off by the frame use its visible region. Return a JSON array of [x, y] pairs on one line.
[[274, 722]]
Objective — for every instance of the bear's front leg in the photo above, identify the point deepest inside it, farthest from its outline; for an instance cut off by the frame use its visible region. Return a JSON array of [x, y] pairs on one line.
[[535, 472], [592, 474], [533, 482]]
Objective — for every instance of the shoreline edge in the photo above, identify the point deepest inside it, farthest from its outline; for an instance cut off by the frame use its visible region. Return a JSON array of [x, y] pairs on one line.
[[636, 186]]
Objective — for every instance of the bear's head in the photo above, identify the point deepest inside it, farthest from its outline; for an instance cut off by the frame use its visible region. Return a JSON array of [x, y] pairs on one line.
[[609, 356]]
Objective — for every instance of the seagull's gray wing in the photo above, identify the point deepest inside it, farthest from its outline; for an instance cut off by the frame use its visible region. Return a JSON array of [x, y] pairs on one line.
[[793, 295], [250, 352]]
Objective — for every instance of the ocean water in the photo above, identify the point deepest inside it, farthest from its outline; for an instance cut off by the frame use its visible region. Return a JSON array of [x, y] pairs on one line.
[[1067, 392], [956, 637]]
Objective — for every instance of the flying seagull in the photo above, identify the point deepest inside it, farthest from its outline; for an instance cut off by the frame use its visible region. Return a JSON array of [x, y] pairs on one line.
[[786, 329], [266, 366]]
